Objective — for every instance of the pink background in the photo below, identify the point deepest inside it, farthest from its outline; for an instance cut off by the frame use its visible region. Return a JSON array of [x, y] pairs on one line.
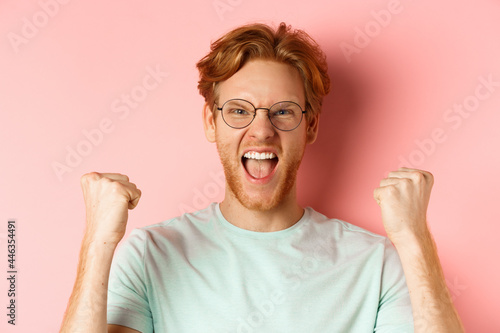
[[63, 70]]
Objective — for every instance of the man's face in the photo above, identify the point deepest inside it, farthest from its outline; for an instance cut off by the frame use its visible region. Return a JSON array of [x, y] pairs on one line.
[[261, 184]]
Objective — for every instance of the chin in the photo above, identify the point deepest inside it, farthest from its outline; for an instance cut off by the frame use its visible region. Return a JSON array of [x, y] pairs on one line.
[[260, 203], [260, 194], [265, 198]]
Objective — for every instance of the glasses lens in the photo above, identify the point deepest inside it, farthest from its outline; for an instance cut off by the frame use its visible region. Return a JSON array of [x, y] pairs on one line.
[[286, 116], [238, 113]]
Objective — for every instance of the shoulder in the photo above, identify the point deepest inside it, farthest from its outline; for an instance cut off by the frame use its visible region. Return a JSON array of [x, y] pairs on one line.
[[173, 229], [350, 240], [345, 243], [340, 228]]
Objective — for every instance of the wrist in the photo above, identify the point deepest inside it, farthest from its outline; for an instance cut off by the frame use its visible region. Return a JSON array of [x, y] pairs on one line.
[[100, 237], [413, 241], [95, 241]]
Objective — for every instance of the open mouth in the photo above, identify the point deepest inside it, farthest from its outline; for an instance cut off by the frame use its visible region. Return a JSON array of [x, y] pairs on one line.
[[259, 165]]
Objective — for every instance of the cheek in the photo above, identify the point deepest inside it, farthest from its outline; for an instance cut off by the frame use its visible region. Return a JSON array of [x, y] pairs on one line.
[[227, 143], [298, 153], [228, 137], [297, 144]]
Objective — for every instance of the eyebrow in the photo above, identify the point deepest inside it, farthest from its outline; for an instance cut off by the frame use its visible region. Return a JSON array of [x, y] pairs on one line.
[[239, 103], [292, 100]]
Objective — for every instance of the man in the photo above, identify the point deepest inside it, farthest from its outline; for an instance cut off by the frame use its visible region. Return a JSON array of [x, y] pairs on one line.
[[258, 262]]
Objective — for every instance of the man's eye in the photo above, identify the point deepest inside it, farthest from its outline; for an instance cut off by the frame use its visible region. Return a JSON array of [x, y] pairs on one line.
[[238, 112], [283, 112]]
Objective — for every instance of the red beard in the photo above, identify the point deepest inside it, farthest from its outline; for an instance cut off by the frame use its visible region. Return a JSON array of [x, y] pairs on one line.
[[233, 172]]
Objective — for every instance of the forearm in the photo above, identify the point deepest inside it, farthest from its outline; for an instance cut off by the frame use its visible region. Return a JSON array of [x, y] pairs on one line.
[[86, 310], [433, 308]]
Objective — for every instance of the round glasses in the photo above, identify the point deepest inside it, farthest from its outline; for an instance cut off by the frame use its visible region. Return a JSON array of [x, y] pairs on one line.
[[239, 113]]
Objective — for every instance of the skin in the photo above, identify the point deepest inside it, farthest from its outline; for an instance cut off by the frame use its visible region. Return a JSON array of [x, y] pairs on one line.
[[263, 206], [403, 198], [108, 197], [248, 204]]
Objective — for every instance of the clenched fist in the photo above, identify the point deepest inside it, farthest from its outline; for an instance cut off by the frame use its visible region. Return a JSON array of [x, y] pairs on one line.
[[108, 197], [403, 198]]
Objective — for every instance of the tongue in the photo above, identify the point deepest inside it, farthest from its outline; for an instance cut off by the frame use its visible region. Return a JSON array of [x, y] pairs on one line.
[[259, 168]]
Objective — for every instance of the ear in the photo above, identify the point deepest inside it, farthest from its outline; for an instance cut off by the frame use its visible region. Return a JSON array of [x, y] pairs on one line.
[[209, 123], [312, 129]]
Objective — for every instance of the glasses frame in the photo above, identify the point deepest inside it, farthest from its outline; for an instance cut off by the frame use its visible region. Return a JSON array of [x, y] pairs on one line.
[[255, 113]]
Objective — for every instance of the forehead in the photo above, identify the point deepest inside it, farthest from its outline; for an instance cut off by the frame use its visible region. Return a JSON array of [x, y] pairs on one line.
[[264, 82]]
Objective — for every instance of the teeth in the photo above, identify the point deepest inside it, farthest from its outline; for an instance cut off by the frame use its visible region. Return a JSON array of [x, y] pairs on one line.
[[259, 156]]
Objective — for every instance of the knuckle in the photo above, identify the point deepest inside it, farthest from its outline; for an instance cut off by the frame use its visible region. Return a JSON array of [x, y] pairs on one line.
[[115, 186], [431, 177], [407, 182], [94, 175], [106, 180], [417, 176], [120, 176], [391, 190], [89, 177]]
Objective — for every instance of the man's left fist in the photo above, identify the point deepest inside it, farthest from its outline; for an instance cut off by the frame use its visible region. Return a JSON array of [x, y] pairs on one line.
[[403, 198]]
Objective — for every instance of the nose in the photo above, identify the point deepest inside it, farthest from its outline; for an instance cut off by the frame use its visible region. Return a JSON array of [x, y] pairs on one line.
[[261, 127]]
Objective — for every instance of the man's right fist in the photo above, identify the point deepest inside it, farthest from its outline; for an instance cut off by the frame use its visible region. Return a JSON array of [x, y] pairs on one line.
[[108, 197]]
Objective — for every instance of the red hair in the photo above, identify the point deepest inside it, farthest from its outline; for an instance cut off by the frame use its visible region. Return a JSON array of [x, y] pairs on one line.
[[258, 41]]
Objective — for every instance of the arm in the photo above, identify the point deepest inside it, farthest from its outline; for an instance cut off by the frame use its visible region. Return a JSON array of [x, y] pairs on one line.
[[107, 200], [403, 197]]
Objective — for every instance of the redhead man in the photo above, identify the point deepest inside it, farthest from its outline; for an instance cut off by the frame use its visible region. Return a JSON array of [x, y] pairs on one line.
[[258, 261]]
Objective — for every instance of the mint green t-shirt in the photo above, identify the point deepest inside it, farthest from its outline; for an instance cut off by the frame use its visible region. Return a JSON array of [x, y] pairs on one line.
[[198, 273]]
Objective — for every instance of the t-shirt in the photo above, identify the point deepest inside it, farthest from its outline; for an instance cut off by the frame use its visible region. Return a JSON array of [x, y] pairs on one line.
[[199, 273]]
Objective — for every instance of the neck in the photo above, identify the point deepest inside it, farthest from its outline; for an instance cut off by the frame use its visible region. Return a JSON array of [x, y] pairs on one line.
[[282, 216]]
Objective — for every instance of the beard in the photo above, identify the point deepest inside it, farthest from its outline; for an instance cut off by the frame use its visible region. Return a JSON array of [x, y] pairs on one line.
[[232, 170]]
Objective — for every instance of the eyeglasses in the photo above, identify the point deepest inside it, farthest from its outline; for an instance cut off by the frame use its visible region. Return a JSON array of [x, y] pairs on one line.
[[239, 113]]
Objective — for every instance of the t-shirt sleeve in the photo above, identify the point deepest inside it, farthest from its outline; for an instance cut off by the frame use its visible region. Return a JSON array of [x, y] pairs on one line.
[[395, 311], [127, 289]]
